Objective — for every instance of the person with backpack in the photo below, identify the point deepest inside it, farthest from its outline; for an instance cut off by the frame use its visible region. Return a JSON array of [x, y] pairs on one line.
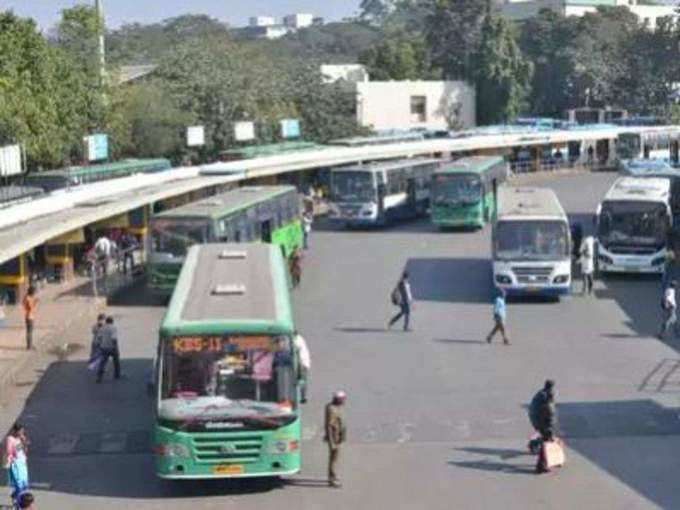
[[668, 308], [587, 253], [402, 297]]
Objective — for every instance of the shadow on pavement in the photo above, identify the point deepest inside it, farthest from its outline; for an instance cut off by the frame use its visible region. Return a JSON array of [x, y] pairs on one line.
[[361, 330], [495, 466], [642, 458], [462, 342], [95, 439], [638, 296], [456, 280], [416, 225]]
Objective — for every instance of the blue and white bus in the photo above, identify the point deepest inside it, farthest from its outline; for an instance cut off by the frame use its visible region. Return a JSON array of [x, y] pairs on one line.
[[531, 243], [378, 193]]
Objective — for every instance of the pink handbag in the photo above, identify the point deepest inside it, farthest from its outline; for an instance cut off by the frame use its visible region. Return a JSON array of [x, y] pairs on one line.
[[554, 453]]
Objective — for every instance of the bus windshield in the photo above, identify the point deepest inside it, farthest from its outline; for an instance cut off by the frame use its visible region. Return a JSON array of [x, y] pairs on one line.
[[628, 146], [531, 240], [353, 187], [173, 237], [633, 223], [455, 189], [227, 376]]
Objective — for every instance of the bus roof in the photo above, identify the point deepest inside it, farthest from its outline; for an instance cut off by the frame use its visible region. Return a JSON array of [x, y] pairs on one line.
[[127, 166], [651, 189], [226, 203], [229, 287], [654, 167], [529, 203], [273, 149], [471, 165], [387, 165]]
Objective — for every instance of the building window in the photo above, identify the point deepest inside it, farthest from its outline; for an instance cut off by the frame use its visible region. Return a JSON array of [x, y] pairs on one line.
[[418, 109]]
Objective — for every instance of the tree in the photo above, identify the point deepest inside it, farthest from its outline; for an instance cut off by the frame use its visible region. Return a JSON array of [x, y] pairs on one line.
[[375, 11], [399, 58], [453, 32], [502, 74], [546, 40], [78, 38], [39, 95]]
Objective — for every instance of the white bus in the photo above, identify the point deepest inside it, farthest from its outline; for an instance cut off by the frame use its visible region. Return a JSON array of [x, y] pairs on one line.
[[633, 221], [531, 243], [378, 193]]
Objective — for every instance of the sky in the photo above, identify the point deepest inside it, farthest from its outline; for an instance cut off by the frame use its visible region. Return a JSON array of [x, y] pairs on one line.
[[234, 12]]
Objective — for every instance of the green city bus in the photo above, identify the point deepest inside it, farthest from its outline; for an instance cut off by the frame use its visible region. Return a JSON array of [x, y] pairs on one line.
[[464, 193], [249, 214], [227, 378]]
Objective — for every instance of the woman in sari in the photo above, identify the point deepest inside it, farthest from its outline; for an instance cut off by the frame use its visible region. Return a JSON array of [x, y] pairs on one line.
[[15, 463]]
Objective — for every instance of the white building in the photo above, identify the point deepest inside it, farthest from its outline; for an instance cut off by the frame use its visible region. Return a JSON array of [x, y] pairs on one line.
[[262, 21], [523, 9], [352, 73], [385, 105], [298, 20]]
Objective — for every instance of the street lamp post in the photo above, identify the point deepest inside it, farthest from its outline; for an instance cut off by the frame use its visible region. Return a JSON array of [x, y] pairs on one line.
[[99, 5]]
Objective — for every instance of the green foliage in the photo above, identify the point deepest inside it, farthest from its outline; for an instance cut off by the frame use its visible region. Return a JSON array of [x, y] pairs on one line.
[[333, 43], [38, 103], [146, 44], [453, 31], [502, 74], [399, 58]]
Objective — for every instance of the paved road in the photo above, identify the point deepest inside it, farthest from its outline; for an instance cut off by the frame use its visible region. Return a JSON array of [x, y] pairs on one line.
[[436, 415]]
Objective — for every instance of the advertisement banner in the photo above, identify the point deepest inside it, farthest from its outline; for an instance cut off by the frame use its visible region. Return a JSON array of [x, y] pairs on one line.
[[290, 128], [244, 131], [195, 136], [97, 147], [10, 161]]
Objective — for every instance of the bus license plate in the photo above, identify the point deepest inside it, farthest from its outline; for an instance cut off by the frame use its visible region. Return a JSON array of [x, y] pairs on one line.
[[232, 469], [532, 289]]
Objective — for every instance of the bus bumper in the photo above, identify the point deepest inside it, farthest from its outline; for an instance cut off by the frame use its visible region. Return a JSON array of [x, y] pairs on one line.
[[546, 291], [459, 223], [620, 268]]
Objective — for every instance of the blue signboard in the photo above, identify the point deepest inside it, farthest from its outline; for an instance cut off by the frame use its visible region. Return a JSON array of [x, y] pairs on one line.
[[97, 147], [290, 128]]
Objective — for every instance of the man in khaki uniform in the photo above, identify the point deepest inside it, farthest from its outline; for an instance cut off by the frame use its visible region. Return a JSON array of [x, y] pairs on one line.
[[335, 435]]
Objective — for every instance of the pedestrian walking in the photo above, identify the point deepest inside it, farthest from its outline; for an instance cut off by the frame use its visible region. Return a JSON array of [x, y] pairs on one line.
[[534, 412], [296, 267], [16, 462], [402, 297], [335, 434], [128, 244], [307, 220], [97, 329], [305, 364], [109, 349], [104, 250], [30, 304], [546, 425], [499, 318], [668, 309], [587, 253]]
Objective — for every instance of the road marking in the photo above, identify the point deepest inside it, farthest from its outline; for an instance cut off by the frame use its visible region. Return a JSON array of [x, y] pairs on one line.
[[113, 443], [62, 444]]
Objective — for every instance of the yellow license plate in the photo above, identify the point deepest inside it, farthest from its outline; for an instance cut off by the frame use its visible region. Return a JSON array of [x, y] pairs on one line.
[[232, 469]]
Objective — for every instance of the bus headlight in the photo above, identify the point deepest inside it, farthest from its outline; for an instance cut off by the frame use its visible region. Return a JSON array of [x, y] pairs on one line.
[[503, 279], [281, 447], [561, 278], [172, 450]]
